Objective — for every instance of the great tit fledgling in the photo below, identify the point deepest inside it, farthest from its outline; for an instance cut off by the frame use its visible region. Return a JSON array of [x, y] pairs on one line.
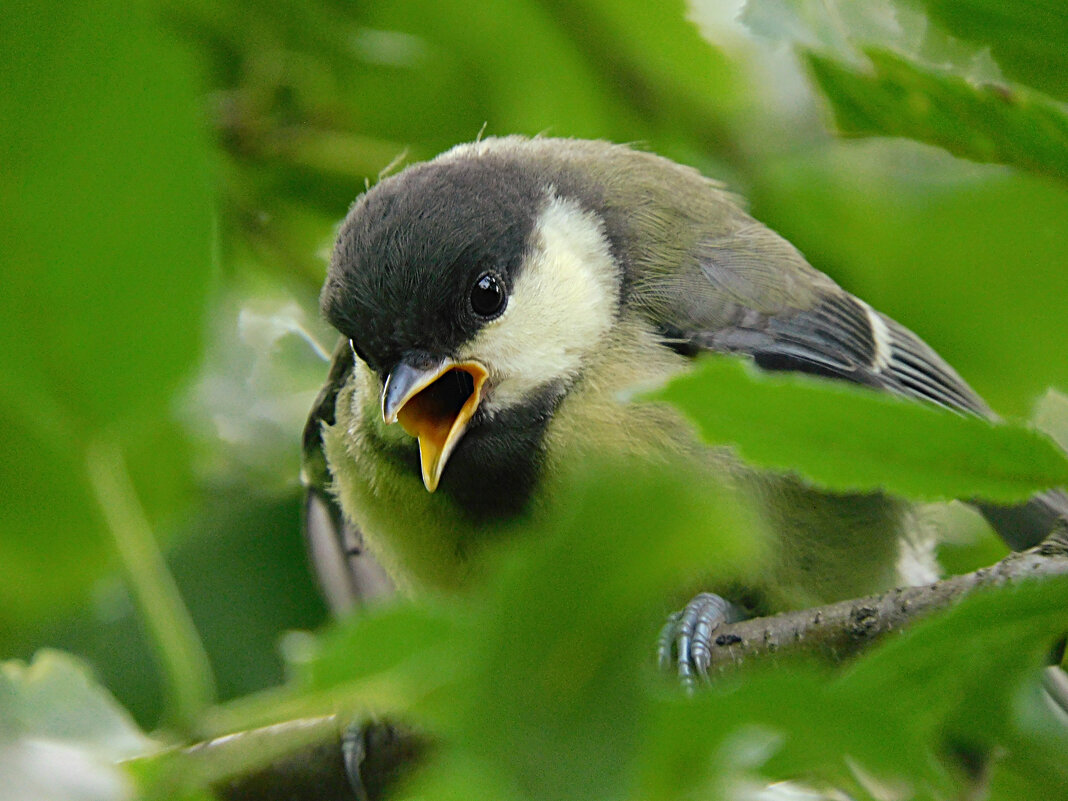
[[498, 303]]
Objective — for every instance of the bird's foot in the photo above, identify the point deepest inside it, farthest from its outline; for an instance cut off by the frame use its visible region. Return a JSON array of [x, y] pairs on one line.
[[376, 756], [686, 640]]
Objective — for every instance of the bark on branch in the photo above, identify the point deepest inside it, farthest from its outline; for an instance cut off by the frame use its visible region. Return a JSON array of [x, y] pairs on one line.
[[841, 629]]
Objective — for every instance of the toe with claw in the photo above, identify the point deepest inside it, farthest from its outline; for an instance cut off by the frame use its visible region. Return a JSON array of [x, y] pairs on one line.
[[686, 640]]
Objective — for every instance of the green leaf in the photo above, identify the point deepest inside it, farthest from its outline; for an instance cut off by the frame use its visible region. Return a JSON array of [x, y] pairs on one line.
[[48, 516], [572, 618], [107, 224], [379, 661], [654, 60], [1027, 37], [963, 681], [793, 723], [990, 124], [61, 734], [105, 249], [997, 639], [968, 679], [542, 664], [387, 659], [846, 438]]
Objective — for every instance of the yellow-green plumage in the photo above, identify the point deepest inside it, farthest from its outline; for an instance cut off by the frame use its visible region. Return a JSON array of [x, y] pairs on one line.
[[617, 268]]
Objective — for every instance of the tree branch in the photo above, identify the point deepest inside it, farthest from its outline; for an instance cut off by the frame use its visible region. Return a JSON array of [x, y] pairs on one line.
[[315, 768], [841, 629]]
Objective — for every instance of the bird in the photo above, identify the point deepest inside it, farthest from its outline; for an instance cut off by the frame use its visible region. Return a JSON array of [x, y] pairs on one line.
[[498, 305]]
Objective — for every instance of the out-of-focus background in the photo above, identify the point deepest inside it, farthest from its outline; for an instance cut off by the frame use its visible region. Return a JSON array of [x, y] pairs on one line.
[[171, 176]]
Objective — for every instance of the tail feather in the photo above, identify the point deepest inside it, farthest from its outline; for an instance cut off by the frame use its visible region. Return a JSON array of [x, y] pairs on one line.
[[1026, 525]]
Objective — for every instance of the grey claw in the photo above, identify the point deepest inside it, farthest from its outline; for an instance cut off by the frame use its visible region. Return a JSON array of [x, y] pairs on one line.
[[377, 755], [686, 638], [666, 641], [354, 752]]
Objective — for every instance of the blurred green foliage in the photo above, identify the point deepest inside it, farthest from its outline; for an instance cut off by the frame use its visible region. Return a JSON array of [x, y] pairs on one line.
[[1027, 39], [916, 451], [106, 265], [172, 175], [993, 124]]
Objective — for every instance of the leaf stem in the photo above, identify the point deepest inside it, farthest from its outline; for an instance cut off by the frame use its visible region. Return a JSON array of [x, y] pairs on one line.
[[185, 668]]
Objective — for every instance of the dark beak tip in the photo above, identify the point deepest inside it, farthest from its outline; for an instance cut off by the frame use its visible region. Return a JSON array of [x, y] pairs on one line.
[[403, 382]]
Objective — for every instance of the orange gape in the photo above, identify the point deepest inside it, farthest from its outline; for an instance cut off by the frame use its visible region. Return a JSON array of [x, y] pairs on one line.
[[438, 415]]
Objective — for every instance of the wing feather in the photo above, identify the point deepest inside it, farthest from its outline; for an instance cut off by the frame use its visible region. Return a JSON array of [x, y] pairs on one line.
[[760, 297]]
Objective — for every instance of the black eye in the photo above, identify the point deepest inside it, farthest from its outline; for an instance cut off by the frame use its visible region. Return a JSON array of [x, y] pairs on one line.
[[487, 295]]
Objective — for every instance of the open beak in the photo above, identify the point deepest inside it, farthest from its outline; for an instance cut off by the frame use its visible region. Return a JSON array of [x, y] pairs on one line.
[[434, 404]]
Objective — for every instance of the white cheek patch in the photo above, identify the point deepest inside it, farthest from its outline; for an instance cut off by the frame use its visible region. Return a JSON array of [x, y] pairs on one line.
[[561, 305]]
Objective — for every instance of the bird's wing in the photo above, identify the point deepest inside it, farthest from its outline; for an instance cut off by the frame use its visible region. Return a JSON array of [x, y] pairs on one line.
[[762, 298], [348, 575], [751, 292]]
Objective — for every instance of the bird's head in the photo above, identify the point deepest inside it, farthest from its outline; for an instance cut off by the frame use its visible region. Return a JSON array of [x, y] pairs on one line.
[[475, 287]]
